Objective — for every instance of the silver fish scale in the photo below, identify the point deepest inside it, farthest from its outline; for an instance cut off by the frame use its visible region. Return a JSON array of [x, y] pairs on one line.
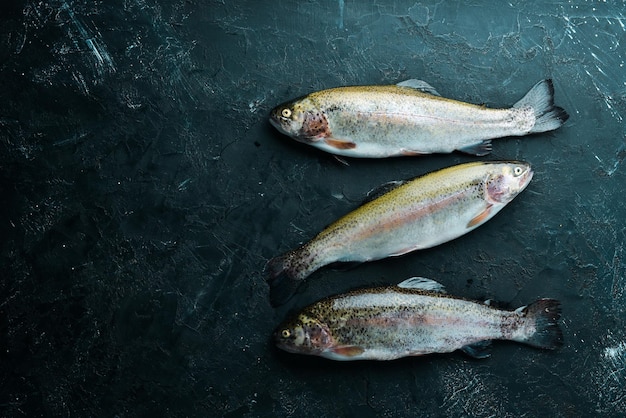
[[400, 321]]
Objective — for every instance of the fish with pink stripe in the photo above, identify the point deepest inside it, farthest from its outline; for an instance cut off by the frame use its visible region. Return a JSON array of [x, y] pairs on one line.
[[412, 215], [414, 318], [410, 118]]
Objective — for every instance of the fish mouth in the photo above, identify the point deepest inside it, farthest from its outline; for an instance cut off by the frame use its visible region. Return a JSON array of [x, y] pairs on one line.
[[280, 342], [288, 348], [286, 344], [281, 125], [276, 124]]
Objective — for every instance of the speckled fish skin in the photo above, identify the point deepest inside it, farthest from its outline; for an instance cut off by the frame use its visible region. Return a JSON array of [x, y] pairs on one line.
[[387, 323], [406, 119], [421, 213]]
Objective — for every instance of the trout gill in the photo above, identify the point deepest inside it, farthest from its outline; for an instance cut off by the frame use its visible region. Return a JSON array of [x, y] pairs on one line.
[[410, 118], [417, 214], [411, 319]]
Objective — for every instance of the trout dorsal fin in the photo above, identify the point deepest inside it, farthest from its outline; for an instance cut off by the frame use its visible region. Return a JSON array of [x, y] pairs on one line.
[[422, 283], [419, 85], [377, 192]]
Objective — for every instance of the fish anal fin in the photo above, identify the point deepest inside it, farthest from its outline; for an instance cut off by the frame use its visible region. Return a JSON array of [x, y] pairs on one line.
[[478, 350], [481, 149], [339, 143], [480, 218], [344, 265]]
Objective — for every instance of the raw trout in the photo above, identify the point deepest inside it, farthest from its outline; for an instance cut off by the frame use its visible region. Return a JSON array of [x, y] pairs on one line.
[[417, 214], [412, 319], [410, 118]]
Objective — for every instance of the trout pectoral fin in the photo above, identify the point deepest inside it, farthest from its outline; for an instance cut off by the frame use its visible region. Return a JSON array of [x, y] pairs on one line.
[[411, 153], [347, 351], [480, 218], [340, 143]]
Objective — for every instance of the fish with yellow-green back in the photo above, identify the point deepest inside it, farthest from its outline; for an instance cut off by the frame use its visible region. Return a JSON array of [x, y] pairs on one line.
[[414, 318], [414, 215], [410, 118]]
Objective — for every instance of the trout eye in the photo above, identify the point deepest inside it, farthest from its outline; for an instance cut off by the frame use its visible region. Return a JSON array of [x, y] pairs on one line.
[[518, 171], [285, 333], [286, 113]]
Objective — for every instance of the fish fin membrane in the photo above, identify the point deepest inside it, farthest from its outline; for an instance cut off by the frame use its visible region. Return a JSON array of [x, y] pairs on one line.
[[480, 218], [481, 149], [420, 85], [340, 143], [341, 160], [279, 276], [479, 350], [545, 314], [346, 352], [344, 265], [540, 98], [412, 153], [377, 192], [422, 283]]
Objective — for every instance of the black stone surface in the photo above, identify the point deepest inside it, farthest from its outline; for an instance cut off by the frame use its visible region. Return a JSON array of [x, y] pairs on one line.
[[143, 190]]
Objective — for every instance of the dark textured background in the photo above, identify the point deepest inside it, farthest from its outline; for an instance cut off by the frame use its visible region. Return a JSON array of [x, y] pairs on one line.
[[143, 190]]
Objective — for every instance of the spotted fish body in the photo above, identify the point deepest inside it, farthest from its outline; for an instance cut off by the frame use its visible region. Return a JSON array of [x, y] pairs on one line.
[[413, 319], [418, 214], [410, 118]]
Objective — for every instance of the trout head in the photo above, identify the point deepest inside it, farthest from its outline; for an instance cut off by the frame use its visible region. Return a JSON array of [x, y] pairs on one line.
[[300, 120], [506, 181], [303, 335]]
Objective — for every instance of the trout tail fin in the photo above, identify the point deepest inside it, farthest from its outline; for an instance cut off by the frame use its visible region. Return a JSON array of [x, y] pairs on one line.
[[544, 315], [540, 98], [281, 278]]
